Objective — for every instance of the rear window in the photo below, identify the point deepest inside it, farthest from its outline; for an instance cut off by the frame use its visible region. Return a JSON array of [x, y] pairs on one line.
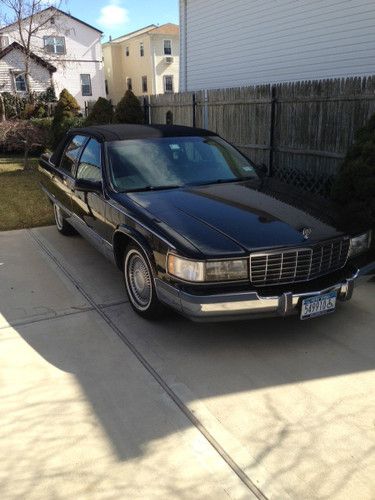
[[72, 152]]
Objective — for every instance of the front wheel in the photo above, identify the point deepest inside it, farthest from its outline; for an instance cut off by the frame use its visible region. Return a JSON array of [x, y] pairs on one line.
[[140, 284], [62, 225]]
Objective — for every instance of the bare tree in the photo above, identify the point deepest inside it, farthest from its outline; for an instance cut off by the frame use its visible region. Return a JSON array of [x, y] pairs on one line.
[[23, 136], [2, 109], [29, 17]]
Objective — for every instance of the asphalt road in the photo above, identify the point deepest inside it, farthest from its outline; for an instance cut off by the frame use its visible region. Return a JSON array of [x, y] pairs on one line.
[[98, 403]]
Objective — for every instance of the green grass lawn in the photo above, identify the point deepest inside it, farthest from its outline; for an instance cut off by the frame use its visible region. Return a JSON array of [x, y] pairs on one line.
[[22, 202]]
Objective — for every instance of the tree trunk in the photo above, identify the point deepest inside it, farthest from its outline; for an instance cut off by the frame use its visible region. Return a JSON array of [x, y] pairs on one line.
[[2, 109], [26, 162], [30, 95]]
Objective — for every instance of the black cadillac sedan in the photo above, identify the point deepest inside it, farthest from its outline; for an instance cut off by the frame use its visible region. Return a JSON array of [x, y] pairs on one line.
[[194, 225]]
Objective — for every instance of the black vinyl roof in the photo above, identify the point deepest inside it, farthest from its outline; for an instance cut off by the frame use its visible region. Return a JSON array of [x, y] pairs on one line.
[[108, 133]]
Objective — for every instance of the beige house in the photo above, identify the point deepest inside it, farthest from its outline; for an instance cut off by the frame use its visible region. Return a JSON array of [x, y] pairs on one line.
[[145, 61]]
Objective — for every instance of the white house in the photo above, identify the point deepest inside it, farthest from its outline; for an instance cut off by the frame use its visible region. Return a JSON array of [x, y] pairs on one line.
[[66, 52], [232, 43]]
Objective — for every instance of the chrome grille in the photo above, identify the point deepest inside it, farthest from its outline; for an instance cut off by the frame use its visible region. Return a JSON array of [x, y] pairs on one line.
[[298, 264]]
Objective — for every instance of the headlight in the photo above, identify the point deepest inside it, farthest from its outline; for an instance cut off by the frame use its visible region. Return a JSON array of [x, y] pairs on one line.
[[222, 270], [189, 270], [359, 244], [226, 270]]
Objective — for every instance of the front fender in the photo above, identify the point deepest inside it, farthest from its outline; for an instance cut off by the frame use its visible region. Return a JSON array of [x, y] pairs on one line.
[[122, 237]]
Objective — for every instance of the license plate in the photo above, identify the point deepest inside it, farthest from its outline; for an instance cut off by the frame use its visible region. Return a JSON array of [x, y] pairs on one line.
[[318, 305]]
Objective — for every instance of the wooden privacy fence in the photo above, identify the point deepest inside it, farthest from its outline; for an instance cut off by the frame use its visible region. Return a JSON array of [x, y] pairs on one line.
[[300, 130]]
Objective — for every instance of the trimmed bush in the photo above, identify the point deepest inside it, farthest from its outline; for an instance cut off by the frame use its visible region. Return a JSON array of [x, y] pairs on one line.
[[23, 108], [48, 96], [129, 110], [45, 126], [101, 113], [13, 105], [66, 114], [354, 187], [28, 110]]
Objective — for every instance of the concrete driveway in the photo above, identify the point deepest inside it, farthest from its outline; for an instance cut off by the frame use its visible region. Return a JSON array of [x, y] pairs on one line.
[[98, 403]]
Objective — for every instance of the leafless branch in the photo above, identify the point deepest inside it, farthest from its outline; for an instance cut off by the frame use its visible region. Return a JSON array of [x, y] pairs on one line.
[[28, 17]]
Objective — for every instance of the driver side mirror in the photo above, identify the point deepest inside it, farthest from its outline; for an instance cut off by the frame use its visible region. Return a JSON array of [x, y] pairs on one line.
[[88, 186]]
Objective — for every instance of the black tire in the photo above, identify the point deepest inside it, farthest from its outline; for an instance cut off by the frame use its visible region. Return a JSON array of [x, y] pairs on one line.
[[62, 225], [139, 283]]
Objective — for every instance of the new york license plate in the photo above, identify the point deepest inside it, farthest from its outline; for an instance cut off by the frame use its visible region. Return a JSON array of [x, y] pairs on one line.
[[318, 305]]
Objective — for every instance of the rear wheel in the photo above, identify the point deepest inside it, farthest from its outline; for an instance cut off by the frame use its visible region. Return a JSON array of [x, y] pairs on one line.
[[62, 225], [140, 284]]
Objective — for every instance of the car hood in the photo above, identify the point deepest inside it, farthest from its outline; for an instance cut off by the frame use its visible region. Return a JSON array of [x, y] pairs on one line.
[[231, 217]]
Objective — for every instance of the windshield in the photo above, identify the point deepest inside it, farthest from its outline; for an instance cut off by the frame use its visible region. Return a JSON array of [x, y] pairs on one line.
[[170, 162]]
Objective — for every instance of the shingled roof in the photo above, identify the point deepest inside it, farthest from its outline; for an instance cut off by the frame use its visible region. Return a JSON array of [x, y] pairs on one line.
[[57, 11], [37, 59], [166, 29]]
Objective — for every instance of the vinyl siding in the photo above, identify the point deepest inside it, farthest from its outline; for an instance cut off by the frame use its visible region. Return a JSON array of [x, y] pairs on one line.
[[13, 63], [233, 43]]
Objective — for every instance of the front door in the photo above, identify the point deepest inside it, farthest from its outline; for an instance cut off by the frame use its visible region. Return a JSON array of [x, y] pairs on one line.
[[62, 181], [90, 207]]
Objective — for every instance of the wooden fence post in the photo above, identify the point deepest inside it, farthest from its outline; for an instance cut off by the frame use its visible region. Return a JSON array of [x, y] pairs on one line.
[[194, 107], [205, 110], [146, 110], [272, 130]]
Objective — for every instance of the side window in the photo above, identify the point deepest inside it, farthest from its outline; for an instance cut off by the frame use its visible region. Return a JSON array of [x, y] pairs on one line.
[[20, 82], [168, 83], [167, 47], [54, 44], [144, 84], [86, 89], [72, 152], [89, 167]]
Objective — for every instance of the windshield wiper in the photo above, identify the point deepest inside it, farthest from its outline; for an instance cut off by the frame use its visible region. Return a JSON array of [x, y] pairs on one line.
[[152, 188], [223, 181]]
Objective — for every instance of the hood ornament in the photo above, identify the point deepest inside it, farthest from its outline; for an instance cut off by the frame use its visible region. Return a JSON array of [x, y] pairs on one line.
[[306, 232]]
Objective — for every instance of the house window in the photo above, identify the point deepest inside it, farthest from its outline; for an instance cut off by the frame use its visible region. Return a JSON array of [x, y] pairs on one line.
[[106, 86], [144, 84], [141, 49], [54, 44], [20, 82], [127, 51], [129, 84], [167, 47], [86, 85], [168, 83]]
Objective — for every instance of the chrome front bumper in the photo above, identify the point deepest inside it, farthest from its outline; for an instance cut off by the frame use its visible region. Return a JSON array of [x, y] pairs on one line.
[[243, 305]]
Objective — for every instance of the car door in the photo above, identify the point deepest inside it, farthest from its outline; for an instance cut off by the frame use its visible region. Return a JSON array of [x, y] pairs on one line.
[[62, 181], [90, 206]]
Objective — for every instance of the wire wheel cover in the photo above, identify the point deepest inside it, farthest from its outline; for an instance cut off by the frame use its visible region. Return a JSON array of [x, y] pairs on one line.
[[139, 280]]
